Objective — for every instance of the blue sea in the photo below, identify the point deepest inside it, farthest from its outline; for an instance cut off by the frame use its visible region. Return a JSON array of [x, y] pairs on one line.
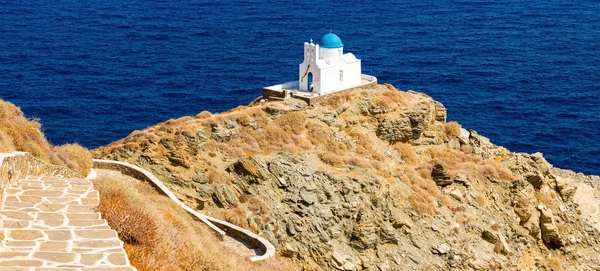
[[526, 74]]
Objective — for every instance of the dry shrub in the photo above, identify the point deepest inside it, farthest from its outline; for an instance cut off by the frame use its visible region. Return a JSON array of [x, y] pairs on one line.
[[454, 160], [319, 134], [6, 143], [395, 96], [244, 119], [451, 130], [335, 101], [480, 199], [467, 149], [245, 141], [290, 148], [425, 191], [487, 171], [74, 156], [260, 117], [276, 135], [24, 133], [383, 102], [502, 172], [134, 225], [406, 152], [237, 216], [331, 159], [357, 162], [18, 133], [181, 242], [203, 115], [545, 196], [364, 145], [257, 205], [554, 264], [216, 178], [292, 122], [335, 147]]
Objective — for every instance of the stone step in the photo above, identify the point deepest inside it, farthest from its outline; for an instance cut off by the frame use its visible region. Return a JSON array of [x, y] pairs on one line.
[[50, 193], [59, 234], [74, 224], [17, 268], [19, 215], [74, 188], [49, 223], [57, 208], [63, 259], [49, 206], [38, 199]]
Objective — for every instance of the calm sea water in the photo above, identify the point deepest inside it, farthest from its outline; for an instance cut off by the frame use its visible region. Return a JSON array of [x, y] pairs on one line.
[[524, 73]]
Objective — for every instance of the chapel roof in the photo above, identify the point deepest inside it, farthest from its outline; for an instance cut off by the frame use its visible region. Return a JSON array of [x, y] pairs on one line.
[[331, 40]]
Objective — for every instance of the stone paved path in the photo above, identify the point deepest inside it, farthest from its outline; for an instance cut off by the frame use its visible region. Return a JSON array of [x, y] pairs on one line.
[[47, 223]]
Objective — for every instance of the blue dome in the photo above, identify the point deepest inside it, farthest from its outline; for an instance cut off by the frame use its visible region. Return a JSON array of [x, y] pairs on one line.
[[331, 40]]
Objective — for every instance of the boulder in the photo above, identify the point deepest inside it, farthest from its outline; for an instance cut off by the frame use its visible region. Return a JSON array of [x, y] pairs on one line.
[[440, 175], [523, 199], [224, 196], [565, 186], [550, 234], [489, 236], [220, 133], [463, 137], [536, 179], [252, 170], [205, 191], [397, 129]]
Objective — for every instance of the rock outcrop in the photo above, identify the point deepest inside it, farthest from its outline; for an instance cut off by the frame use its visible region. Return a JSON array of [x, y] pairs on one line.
[[373, 179]]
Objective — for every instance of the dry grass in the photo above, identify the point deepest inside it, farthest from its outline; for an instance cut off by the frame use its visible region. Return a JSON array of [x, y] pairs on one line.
[[425, 191], [165, 237], [480, 199], [204, 115], [17, 133], [406, 152], [292, 122], [451, 130], [554, 264], [74, 156], [134, 225], [332, 159]]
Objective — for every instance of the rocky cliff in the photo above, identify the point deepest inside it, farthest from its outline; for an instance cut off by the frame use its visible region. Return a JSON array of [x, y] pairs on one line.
[[373, 179]]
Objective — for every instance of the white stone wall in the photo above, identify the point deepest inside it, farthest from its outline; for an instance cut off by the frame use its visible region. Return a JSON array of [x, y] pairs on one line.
[[351, 74]]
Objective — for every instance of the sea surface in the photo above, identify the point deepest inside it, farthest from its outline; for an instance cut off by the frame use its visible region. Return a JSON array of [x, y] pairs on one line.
[[526, 74]]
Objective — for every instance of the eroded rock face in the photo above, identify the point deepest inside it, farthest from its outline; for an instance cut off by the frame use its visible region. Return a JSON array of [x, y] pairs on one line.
[[550, 233], [383, 214], [523, 200], [397, 129]]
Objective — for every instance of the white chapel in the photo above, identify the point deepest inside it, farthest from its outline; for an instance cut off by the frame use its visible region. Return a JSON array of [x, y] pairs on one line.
[[326, 68]]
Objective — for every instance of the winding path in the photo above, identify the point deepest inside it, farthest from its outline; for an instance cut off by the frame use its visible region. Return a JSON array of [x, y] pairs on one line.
[[51, 223]]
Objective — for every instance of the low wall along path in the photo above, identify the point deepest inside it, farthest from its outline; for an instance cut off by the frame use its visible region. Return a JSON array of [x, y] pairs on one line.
[[49, 219], [230, 232]]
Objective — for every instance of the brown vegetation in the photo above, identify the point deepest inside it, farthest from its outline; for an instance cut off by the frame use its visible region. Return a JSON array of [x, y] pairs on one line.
[[74, 157], [160, 236], [17, 133]]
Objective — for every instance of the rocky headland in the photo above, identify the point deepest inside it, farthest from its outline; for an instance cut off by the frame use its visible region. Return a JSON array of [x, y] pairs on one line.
[[373, 179]]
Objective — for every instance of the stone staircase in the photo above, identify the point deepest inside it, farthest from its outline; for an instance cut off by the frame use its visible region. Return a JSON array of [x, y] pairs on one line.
[[50, 223]]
